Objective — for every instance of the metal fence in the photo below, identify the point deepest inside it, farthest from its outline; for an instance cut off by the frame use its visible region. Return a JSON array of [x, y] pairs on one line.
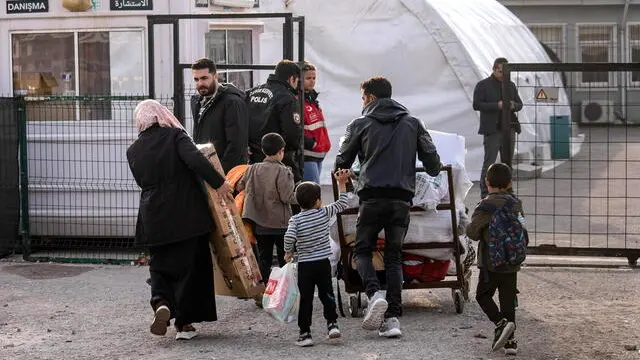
[[577, 161], [81, 203], [9, 177]]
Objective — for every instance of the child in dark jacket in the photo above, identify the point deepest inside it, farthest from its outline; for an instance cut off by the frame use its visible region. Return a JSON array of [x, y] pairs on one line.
[[503, 279]]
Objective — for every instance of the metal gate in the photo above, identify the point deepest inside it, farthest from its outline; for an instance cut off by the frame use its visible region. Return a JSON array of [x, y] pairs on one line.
[[179, 94], [577, 163], [9, 177]]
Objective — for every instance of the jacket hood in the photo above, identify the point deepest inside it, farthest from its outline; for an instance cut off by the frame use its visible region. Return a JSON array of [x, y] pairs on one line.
[[274, 78], [228, 88], [385, 110], [501, 196]]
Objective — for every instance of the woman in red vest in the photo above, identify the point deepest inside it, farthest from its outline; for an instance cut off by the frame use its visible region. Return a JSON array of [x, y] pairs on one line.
[[316, 137]]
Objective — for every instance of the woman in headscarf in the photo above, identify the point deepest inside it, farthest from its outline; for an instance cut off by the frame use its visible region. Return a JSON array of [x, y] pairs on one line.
[[174, 220]]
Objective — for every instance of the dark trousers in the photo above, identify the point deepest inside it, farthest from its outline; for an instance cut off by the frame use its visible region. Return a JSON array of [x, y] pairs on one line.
[[182, 278], [492, 147], [506, 284], [265, 245], [310, 275], [392, 216]]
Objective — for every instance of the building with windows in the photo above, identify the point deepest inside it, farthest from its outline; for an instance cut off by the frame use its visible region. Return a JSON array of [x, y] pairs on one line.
[[590, 31]]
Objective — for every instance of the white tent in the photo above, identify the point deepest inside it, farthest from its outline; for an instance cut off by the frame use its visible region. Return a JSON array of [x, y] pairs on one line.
[[432, 51]]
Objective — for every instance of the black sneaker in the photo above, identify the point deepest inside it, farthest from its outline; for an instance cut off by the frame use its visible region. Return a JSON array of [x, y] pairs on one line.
[[305, 340], [504, 330], [333, 331], [511, 347]]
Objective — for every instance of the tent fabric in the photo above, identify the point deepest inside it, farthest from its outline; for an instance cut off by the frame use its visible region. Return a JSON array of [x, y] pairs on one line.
[[432, 51]]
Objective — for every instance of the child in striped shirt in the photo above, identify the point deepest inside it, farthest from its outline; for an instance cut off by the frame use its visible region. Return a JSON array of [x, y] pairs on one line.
[[308, 231]]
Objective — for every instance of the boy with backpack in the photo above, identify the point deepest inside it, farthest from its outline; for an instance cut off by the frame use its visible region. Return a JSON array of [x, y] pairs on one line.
[[498, 224]]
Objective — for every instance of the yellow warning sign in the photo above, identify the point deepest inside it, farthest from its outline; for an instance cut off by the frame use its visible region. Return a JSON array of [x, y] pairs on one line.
[[546, 94], [541, 95]]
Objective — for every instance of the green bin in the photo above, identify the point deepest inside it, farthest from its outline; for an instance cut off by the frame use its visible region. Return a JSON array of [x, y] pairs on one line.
[[560, 137]]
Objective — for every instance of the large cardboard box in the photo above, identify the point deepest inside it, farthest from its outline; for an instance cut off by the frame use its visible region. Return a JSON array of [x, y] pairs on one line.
[[236, 272]]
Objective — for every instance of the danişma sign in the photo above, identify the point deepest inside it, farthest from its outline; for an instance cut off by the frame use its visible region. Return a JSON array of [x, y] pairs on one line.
[[27, 6]]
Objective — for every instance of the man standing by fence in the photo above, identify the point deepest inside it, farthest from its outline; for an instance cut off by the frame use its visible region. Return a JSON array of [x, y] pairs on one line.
[[487, 98], [219, 115]]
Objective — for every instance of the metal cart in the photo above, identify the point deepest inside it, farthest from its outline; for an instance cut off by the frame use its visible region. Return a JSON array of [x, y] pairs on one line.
[[459, 287]]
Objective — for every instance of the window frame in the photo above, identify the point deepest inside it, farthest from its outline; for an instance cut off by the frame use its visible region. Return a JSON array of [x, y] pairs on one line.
[[563, 43], [612, 46], [256, 29], [75, 32], [631, 85]]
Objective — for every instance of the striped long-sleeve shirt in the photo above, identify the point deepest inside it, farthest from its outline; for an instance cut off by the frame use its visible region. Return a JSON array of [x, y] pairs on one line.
[[309, 231]]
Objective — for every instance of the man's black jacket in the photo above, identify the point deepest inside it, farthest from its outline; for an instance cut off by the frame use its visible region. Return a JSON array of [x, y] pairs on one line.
[[273, 107], [223, 121], [486, 95], [386, 139]]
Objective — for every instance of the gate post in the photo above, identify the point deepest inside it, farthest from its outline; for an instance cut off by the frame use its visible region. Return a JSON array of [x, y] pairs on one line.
[[506, 116], [21, 117]]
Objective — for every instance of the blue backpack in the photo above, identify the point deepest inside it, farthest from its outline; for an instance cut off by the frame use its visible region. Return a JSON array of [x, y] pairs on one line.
[[507, 237]]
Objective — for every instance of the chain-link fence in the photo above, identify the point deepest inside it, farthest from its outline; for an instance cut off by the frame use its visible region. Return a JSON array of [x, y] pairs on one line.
[[577, 159], [82, 202]]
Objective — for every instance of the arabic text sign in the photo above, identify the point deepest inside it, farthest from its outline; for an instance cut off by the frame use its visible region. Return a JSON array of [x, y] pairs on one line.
[[131, 4], [27, 6]]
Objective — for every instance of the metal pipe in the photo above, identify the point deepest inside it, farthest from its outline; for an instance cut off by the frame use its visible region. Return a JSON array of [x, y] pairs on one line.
[[178, 75], [623, 52], [151, 67], [506, 115]]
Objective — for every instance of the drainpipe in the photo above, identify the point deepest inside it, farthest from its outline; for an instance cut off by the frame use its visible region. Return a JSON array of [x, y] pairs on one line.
[[623, 51]]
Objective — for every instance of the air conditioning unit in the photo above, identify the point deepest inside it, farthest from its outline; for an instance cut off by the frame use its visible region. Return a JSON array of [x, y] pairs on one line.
[[597, 112], [233, 3]]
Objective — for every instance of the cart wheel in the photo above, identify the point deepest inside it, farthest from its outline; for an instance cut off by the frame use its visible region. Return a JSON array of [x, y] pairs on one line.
[[357, 305], [353, 306], [458, 300], [633, 261]]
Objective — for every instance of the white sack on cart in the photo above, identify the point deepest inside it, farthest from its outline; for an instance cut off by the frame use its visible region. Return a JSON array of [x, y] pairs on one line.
[[428, 226], [431, 191]]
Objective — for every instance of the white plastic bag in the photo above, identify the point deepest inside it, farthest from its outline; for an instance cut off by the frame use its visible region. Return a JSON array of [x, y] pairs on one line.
[[334, 259], [281, 297]]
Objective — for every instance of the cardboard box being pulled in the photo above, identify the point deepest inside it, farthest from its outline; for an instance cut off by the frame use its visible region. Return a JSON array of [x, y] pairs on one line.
[[235, 270]]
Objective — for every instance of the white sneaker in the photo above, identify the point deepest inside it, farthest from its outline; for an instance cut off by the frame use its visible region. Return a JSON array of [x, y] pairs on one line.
[[162, 316], [304, 340], [375, 312], [333, 331], [390, 328], [189, 334]]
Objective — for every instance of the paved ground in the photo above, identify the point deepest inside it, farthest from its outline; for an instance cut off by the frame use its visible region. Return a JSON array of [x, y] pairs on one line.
[[53, 311]]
